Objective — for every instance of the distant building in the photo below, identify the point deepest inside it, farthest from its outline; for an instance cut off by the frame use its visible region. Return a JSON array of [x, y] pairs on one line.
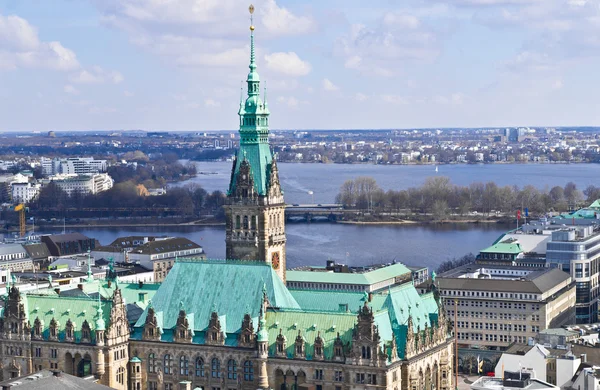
[[25, 192], [84, 184], [343, 278], [39, 254], [498, 305], [13, 257], [68, 244], [156, 253], [555, 366], [72, 166], [512, 380]]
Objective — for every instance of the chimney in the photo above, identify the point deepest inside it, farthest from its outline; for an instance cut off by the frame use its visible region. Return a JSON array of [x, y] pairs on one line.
[[185, 385], [80, 286], [370, 296]]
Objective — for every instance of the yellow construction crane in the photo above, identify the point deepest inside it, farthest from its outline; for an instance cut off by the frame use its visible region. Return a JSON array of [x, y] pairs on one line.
[[20, 208]]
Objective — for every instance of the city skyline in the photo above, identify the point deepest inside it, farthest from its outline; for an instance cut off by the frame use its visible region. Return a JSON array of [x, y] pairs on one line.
[[175, 65]]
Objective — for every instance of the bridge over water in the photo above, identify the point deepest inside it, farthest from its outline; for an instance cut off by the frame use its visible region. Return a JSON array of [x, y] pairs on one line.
[[330, 212]]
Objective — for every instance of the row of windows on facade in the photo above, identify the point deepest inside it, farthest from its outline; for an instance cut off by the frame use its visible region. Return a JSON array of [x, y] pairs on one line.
[[13, 256], [482, 294], [493, 326], [258, 121], [198, 369], [493, 338], [499, 316], [494, 305], [326, 286], [251, 223]]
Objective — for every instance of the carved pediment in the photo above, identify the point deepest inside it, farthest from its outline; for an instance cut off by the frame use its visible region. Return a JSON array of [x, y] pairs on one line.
[[214, 333], [246, 337], [183, 333], [151, 329]]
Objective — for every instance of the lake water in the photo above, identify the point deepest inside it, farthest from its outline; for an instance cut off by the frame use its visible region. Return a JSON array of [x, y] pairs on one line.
[[325, 179], [313, 244], [426, 245]]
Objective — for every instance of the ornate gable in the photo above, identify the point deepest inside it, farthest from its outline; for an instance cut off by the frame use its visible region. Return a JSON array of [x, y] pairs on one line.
[[246, 337], [244, 181], [151, 329], [214, 333], [183, 333]]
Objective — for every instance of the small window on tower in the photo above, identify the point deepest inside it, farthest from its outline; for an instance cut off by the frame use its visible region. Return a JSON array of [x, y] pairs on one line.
[[237, 221]]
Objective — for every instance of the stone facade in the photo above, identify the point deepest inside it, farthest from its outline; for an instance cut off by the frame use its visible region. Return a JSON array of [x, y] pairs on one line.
[[73, 340], [363, 363]]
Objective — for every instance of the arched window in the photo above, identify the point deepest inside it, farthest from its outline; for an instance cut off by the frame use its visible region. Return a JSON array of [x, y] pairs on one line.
[[151, 363], [245, 222], [121, 375], [183, 365], [237, 221], [253, 224], [215, 368], [199, 367], [167, 364], [366, 352], [248, 370], [231, 369]]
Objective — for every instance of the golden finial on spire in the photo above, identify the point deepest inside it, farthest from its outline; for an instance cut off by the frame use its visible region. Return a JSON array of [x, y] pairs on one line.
[[251, 9]]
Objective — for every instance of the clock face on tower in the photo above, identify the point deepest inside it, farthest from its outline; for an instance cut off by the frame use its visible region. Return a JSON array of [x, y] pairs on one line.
[[275, 260]]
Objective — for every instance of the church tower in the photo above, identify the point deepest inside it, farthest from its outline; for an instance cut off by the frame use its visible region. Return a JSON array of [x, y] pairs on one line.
[[255, 207]]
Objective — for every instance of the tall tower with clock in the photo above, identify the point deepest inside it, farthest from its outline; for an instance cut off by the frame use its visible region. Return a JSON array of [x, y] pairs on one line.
[[255, 220]]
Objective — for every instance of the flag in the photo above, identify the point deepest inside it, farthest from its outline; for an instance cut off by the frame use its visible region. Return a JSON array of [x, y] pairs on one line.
[[518, 214], [526, 211]]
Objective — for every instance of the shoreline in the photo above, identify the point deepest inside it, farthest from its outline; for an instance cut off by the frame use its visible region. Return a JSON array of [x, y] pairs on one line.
[[408, 222]]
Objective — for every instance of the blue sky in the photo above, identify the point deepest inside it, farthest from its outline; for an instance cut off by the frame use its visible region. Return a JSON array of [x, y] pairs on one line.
[[177, 64]]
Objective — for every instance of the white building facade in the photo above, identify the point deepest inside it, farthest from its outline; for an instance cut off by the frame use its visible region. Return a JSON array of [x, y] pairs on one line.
[[72, 166]]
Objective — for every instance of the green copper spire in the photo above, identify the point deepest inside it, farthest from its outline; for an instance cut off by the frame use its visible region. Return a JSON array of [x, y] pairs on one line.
[[100, 325], [254, 129], [263, 333], [90, 277]]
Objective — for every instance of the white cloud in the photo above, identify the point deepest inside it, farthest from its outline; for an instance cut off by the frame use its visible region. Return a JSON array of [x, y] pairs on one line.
[[396, 37], [128, 93], [20, 47], [287, 63], [199, 33], [96, 75], [211, 103], [280, 21], [101, 110], [402, 20], [232, 57], [290, 101], [70, 89], [529, 60], [329, 86], [557, 84], [394, 99], [361, 97]]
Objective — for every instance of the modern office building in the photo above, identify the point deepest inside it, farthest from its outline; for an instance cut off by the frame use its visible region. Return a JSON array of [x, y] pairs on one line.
[[72, 166], [498, 305], [576, 250], [25, 192]]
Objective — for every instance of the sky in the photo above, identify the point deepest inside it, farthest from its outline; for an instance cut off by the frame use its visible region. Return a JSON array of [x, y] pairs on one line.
[[329, 64]]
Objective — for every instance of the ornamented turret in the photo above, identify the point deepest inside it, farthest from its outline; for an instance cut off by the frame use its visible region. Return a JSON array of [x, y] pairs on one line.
[[255, 228], [100, 334], [262, 338]]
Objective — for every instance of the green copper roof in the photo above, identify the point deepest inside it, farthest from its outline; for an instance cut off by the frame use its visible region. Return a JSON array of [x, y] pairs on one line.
[[233, 288], [503, 247], [289, 322], [62, 309], [328, 300], [366, 278], [135, 359]]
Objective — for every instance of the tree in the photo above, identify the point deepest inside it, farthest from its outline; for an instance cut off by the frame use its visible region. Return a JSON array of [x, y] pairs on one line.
[[592, 193], [439, 210]]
